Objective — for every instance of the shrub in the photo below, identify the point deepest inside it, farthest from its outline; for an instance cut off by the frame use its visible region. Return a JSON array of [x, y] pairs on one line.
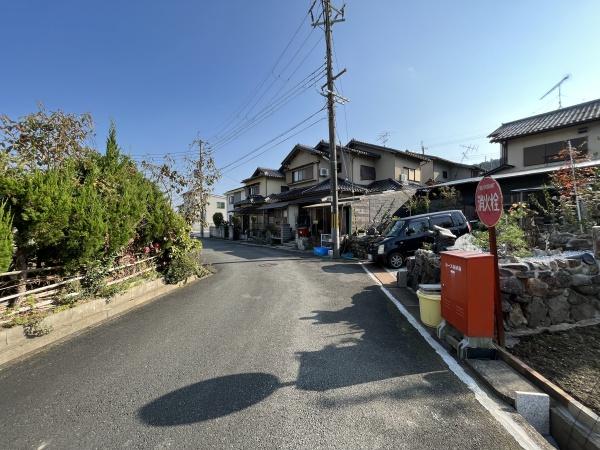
[[217, 219], [6, 238], [510, 237], [182, 260]]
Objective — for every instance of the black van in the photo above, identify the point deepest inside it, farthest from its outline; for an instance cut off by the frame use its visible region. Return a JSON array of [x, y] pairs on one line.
[[407, 234]]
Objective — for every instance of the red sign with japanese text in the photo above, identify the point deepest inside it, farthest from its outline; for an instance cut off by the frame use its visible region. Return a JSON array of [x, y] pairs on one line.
[[488, 201]]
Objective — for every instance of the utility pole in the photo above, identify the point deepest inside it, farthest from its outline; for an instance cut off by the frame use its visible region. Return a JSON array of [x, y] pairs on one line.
[[200, 191], [327, 21]]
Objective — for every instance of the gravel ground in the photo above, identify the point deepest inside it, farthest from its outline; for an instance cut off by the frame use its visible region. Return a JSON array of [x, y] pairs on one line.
[[570, 359]]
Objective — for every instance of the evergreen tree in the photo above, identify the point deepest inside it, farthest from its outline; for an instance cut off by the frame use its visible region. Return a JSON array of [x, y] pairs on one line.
[[6, 238]]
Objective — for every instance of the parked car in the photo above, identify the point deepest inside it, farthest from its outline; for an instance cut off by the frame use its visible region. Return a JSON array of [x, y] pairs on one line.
[[407, 234]]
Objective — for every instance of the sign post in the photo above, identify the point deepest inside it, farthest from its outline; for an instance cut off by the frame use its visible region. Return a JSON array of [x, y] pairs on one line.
[[489, 207]]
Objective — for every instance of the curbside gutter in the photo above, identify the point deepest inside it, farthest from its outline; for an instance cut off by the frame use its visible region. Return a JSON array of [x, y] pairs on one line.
[[572, 424], [512, 422], [15, 345]]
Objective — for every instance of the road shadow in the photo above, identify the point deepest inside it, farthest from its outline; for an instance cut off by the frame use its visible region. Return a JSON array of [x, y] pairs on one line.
[[345, 268], [252, 253], [371, 347], [209, 399], [377, 349]]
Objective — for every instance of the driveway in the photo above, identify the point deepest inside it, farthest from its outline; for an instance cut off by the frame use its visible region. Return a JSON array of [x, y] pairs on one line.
[[273, 351]]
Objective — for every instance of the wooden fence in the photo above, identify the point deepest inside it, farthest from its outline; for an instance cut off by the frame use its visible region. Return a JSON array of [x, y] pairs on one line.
[[46, 283]]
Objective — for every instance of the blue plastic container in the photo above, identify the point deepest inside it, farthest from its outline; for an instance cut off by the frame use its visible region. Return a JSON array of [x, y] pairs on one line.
[[321, 251]]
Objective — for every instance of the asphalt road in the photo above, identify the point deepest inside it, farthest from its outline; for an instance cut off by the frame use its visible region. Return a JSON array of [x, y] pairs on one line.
[[273, 351]]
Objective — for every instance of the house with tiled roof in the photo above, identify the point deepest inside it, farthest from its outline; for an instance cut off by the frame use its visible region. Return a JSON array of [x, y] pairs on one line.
[[531, 152], [298, 194], [535, 142]]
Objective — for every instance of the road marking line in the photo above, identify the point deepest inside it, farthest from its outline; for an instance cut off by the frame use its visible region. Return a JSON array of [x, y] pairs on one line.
[[495, 409]]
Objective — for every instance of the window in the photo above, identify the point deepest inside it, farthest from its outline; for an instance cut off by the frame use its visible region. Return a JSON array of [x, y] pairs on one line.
[[549, 153], [305, 173], [411, 174], [417, 227], [367, 173], [285, 188], [220, 205], [445, 174], [231, 199], [254, 190], [442, 221]]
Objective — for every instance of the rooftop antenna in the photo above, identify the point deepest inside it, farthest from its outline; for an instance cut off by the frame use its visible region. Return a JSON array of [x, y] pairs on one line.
[[468, 149], [423, 148], [383, 137], [557, 85]]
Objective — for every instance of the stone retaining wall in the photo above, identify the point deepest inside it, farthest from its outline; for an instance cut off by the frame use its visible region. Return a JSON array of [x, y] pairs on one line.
[[548, 292], [535, 292]]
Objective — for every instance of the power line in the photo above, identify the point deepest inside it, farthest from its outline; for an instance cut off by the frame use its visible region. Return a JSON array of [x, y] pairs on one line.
[[281, 72], [276, 144], [257, 89], [306, 83], [254, 102], [271, 140]]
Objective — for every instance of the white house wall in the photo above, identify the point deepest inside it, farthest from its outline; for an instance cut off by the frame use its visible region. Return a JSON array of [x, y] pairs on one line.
[[515, 153]]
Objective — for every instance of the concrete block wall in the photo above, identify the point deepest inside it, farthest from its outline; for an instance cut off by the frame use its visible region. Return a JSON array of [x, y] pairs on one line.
[[369, 210]]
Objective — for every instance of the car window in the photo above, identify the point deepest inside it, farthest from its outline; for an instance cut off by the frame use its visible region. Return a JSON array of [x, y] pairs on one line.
[[394, 229], [416, 227], [442, 221], [459, 219]]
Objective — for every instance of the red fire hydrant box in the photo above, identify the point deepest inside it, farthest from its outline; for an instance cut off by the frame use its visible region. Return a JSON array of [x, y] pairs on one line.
[[468, 292]]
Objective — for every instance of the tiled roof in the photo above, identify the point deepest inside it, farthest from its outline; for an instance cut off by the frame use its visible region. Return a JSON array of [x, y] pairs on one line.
[[438, 158], [271, 173], [251, 200], [384, 185], [560, 118], [322, 149], [323, 146], [287, 195], [265, 172], [355, 144], [343, 186]]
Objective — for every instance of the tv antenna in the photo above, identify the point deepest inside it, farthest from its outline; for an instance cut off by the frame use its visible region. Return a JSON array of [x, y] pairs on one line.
[[468, 149], [557, 86], [383, 137]]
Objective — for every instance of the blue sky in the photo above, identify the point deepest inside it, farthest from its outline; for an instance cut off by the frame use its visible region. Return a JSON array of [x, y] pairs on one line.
[[446, 73]]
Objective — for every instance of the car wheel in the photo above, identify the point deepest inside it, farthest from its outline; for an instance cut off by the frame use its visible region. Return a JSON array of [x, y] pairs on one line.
[[395, 260]]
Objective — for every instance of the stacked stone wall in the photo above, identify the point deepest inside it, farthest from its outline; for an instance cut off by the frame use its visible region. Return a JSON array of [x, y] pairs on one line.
[[536, 292]]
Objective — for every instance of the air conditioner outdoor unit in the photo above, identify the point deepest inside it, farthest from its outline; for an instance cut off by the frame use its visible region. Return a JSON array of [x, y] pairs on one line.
[[324, 171], [403, 177]]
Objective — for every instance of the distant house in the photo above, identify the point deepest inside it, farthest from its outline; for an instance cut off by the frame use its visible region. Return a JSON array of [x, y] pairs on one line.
[[530, 151], [535, 142], [440, 170], [234, 196], [257, 188], [216, 203]]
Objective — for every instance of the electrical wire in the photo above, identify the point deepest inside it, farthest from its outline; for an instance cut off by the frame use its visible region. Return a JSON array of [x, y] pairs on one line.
[[306, 83], [259, 86], [280, 142], [271, 140]]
